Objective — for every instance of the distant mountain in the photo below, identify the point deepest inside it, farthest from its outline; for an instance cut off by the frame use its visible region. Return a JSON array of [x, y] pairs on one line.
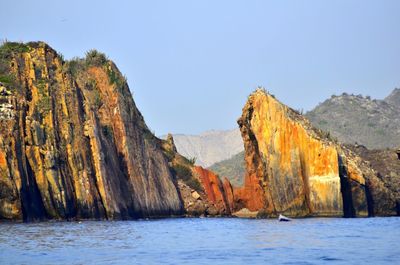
[[394, 98], [233, 168], [209, 147], [354, 118]]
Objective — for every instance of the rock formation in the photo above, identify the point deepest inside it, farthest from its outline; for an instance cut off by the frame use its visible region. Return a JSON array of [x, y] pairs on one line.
[[297, 170], [386, 163], [218, 193], [202, 192], [72, 142], [73, 145]]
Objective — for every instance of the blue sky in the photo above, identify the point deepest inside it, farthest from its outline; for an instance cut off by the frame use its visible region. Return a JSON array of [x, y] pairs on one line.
[[192, 64]]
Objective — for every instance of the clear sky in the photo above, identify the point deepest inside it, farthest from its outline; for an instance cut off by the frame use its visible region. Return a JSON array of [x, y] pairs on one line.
[[192, 64]]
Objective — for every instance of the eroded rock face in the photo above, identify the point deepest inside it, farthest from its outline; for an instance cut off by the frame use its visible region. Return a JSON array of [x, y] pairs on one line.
[[219, 193], [296, 170], [75, 145]]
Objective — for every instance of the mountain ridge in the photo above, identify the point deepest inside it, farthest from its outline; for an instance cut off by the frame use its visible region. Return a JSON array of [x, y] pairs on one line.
[[357, 119], [394, 98], [210, 146]]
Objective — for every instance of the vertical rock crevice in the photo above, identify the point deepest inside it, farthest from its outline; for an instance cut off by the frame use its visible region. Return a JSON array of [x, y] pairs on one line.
[[345, 187]]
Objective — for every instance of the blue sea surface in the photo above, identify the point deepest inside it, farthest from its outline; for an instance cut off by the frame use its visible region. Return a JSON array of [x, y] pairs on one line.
[[203, 241]]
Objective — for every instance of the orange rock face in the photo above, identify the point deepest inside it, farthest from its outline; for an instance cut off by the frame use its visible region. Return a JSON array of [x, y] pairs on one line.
[[299, 173], [74, 145], [229, 194], [292, 168], [218, 193]]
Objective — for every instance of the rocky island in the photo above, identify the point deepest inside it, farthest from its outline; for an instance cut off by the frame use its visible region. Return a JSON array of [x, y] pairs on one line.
[[73, 145]]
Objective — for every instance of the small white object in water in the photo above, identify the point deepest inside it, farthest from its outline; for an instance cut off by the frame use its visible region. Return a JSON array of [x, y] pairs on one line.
[[283, 218]]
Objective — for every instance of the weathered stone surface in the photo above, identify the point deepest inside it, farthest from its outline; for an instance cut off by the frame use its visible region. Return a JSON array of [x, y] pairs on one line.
[[76, 145], [217, 193], [387, 167], [229, 194], [297, 170]]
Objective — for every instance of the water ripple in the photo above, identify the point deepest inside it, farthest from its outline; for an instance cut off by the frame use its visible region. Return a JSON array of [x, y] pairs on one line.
[[203, 241]]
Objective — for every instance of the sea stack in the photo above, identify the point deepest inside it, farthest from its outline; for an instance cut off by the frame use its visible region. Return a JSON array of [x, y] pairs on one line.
[[297, 170]]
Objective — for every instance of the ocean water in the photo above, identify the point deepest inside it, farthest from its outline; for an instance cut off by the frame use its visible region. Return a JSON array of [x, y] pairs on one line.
[[203, 241]]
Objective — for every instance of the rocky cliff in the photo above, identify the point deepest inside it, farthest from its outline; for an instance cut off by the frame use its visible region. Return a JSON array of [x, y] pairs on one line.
[[72, 142], [297, 170], [386, 163]]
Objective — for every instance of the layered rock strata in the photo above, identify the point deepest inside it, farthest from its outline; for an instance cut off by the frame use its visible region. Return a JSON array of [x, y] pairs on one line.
[[73, 144]]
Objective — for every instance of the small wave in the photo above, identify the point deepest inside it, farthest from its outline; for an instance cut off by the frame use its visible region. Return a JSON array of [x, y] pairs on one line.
[[326, 258]]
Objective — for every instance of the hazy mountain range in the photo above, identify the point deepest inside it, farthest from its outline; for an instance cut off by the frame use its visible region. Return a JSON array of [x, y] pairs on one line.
[[209, 147]]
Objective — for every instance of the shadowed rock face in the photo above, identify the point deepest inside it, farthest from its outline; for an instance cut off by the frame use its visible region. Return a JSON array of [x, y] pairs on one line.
[[295, 169], [387, 163], [74, 145]]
